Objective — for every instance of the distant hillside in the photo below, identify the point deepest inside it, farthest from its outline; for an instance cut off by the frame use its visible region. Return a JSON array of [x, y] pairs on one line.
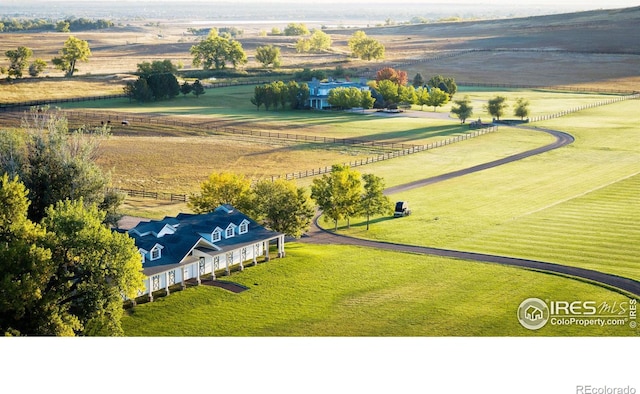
[[600, 31]]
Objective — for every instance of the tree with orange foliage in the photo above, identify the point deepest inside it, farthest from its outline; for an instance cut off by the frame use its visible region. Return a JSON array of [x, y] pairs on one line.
[[396, 76]]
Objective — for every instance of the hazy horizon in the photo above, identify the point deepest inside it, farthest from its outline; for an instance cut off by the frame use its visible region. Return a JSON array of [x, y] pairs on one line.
[[326, 10]]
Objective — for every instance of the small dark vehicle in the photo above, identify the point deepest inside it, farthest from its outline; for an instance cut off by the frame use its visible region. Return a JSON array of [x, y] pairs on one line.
[[402, 209]]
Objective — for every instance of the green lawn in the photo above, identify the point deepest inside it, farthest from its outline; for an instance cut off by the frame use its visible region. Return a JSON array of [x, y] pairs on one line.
[[580, 199], [351, 291]]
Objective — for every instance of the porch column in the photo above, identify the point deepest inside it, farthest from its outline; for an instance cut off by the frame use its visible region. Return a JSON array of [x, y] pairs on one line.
[[166, 282], [265, 244], [256, 248], [241, 258], [183, 284], [227, 271], [150, 289], [280, 246], [198, 273]]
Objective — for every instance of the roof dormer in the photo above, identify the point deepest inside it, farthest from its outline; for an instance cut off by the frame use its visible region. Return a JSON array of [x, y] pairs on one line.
[[156, 252], [230, 231], [216, 235], [244, 227]]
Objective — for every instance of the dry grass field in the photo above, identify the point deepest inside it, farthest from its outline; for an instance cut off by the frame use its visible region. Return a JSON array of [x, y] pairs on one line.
[[597, 49]]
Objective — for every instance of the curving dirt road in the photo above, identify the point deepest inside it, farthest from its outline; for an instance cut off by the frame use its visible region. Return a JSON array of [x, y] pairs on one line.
[[321, 236]]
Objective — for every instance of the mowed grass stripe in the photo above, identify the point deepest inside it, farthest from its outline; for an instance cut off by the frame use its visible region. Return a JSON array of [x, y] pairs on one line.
[[576, 233], [565, 194]]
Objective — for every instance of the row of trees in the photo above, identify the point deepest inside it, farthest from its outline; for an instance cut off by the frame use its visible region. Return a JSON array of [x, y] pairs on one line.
[[280, 94], [391, 87], [352, 97], [62, 270], [64, 25], [282, 206], [345, 193], [279, 205], [73, 51], [496, 107]]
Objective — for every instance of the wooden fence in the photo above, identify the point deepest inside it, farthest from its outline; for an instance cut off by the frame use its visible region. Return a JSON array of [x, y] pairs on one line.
[[584, 107]]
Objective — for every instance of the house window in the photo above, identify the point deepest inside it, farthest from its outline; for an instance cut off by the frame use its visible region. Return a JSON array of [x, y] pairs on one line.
[[155, 253], [156, 283], [229, 233], [244, 227], [201, 266], [172, 277], [215, 236]]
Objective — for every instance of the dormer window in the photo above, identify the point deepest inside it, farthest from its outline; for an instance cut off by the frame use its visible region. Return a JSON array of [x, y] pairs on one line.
[[244, 227], [230, 232], [216, 235], [156, 252]]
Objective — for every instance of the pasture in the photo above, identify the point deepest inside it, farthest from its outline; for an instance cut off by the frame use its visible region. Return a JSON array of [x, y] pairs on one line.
[[570, 206], [350, 291], [573, 206]]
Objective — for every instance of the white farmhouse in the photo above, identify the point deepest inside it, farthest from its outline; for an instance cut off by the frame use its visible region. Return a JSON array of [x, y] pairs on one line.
[[176, 249]]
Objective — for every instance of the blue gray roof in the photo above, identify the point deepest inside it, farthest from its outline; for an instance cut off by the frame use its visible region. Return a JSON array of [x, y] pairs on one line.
[[178, 236]]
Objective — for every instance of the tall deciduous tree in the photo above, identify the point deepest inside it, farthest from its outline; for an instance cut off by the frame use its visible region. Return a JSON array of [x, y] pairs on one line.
[[268, 55], [338, 193], [437, 98], [66, 277], [373, 200], [282, 207], [364, 47], [398, 77], [216, 51], [18, 58], [73, 51], [95, 267], [462, 109], [522, 108], [496, 106], [222, 188]]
